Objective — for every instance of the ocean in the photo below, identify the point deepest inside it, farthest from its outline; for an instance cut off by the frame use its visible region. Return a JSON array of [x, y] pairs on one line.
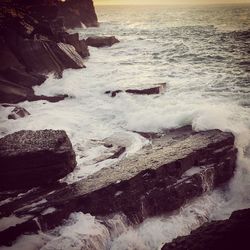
[[203, 55]]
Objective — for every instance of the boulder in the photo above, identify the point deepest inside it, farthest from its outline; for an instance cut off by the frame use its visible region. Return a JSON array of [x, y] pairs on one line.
[[18, 112], [139, 90], [34, 158], [101, 41], [79, 45], [229, 234], [177, 166]]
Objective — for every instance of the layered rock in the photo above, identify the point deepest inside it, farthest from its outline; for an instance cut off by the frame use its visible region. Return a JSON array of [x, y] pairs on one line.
[[79, 45], [139, 90], [34, 42], [174, 168], [101, 41], [229, 234], [34, 158], [12, 92]]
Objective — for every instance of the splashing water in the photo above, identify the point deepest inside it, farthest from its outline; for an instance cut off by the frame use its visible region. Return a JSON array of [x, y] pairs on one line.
[[202, 53]]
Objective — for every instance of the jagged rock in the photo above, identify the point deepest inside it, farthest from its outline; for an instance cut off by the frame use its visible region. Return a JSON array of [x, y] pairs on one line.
[[78, 12], [101, 41], [229, 234], [44, 57], [18, 112], [11, 92], [177, 166], [79, 45], [34, 158], [138, 90], [21, 77]]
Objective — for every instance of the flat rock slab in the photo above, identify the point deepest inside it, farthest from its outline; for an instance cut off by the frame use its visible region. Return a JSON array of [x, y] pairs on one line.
[[154, 89], [33, 158], [176, 167], [101, 41], [229, 234]]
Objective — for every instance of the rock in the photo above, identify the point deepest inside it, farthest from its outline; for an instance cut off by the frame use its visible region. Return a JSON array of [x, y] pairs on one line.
[[7, 56], [177, 166], [11, 92], [229, 234], [44, 57], [34, 158], [22, 78], [18, 112], [138, 90], [56, 98], [79, 45], [78, 12], [101, 41]]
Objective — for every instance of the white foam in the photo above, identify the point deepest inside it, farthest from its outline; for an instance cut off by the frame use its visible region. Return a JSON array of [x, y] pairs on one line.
[[155, 47]]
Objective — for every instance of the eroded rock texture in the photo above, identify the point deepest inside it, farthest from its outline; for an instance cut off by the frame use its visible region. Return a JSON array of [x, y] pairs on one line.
[[34, 158], [228, 234], [177, 166], [34, 42]]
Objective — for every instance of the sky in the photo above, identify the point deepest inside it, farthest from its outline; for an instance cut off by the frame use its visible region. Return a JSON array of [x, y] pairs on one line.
[[171, 2]]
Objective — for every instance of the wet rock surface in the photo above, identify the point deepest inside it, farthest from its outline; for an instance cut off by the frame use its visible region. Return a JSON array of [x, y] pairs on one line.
[[177, 166], [18, 112], [101, 41], [229, 234], [34, 158], [154, 89], [34, 42]]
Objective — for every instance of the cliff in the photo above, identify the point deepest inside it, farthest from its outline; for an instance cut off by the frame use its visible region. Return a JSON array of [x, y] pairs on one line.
[[34, 42]]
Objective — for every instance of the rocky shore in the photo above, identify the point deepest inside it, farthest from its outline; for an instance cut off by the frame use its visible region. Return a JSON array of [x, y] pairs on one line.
[[176, 166], [228, 234], [179, 165], [34, 42]]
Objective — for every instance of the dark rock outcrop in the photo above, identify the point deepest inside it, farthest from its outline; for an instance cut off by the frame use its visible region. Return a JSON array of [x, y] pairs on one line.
[[229, 234], [34, 42], [78, 12], [47, 56], [138, 90], [79, 45], [18, 112], [34, 158], [12, 92], [101, 41], [177, 166], [22, 78]]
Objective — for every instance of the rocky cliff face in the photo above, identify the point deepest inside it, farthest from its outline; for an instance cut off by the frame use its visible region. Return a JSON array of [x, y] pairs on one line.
[[34, 42]]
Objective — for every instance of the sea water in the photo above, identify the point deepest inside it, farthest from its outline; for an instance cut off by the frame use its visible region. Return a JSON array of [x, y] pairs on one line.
[[203, 55]]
